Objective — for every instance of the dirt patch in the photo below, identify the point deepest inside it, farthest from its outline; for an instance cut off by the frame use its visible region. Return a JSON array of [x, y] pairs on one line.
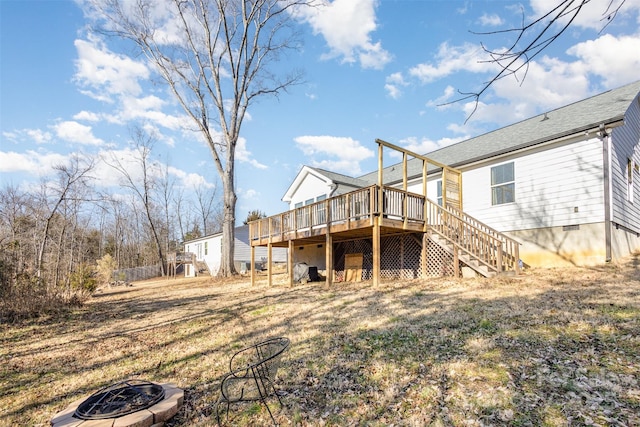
[[549, 347]]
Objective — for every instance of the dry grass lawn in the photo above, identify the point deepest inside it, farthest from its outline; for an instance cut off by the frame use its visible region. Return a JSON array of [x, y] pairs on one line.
[[548, 348]]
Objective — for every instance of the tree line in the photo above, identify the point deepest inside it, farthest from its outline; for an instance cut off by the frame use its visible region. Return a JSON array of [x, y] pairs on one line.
[[55, 235]]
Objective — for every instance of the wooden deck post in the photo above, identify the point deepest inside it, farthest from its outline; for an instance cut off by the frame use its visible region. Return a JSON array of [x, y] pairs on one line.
[[290, 263], [405, 200], [456, 263], [253, 265], [329, 259], [425, 208], [424, 255], [269, 270], [376, 252]]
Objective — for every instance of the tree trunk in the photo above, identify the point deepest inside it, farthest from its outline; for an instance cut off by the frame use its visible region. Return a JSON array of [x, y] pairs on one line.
[[227, 267], [156, 239]]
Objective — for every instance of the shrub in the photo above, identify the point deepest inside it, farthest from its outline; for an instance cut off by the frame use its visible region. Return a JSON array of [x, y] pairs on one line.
[[104, 268], [83, 279]]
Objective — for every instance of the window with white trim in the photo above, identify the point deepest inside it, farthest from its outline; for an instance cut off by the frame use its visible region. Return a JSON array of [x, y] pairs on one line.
[[439, 192], [503, 185]]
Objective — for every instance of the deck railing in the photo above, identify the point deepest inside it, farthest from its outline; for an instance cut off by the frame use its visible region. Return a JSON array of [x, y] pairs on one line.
[[345, 208], [481, 242], [484, 244]]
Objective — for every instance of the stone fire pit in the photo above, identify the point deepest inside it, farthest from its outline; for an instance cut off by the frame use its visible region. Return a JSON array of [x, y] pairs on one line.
[[152, 416]]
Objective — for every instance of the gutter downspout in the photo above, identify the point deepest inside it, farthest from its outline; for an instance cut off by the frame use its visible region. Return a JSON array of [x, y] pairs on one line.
[[605, 137]]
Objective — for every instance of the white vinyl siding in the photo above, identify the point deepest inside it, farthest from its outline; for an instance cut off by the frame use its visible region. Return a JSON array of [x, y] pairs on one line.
[[625, 146], [310, 186], [559, 186], [630, 173], [242, 252]]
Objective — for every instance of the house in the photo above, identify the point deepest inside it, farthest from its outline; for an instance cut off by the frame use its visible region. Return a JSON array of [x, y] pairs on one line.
[[560, 184], [208, 249]]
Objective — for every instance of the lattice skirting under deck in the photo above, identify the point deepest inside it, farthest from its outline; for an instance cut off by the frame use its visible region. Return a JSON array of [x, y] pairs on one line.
[[400, 257]]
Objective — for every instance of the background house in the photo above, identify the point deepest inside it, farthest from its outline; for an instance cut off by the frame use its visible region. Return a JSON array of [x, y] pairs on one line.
[[563, 183], [208, 249]]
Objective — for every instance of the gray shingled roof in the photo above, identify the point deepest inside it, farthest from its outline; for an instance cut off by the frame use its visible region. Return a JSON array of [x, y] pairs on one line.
[[607, 107], [345, 183]]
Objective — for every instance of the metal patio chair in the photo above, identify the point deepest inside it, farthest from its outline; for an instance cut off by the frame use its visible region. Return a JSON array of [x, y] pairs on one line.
[[251, 376]]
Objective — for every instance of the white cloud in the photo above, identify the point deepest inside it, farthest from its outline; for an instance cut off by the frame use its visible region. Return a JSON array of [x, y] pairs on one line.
[[103, 73], [31, 162], [38, 136], [451, 59], [425, 145], [346, 26], [10, 135], [243, 155], [464, 9], [615, 59], [448, 96], [249, 194], [75, 132], [490, 20], [148, 108], [592, 15], [190, 179], [549, 82], [86, 116], [348, 152], [394, 84]]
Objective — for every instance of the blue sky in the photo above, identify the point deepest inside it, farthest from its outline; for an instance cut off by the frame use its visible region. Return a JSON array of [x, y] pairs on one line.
[[373, 69]]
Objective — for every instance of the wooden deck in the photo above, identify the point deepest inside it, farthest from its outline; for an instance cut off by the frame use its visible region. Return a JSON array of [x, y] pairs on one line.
[[376, 211], [347, 216]]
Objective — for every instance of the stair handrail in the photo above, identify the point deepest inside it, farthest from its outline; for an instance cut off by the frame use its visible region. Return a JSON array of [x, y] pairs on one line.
[[479, 224], [511, 246], [491, 262], [485, 244], [460, 247]]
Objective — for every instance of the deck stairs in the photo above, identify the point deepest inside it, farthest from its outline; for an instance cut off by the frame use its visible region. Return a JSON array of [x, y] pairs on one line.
[[464, 258], [483, 249], [202, 268]]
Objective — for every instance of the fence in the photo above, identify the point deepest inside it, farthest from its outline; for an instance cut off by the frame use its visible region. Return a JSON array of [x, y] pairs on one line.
[[137, 273]]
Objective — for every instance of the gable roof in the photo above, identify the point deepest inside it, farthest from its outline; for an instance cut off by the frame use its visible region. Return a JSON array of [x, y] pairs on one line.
[[342, 180], [607, 108], [343, 183]]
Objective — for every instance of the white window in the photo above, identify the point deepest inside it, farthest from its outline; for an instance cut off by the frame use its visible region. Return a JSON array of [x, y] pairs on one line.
[[503, 186], [439, 192]]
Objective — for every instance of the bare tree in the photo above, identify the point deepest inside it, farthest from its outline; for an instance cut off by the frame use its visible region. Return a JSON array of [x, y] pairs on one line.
[[533, 38], [206, 203], [70, 177], [166, 187], [144, 185], [215, 56], [14, 225]]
